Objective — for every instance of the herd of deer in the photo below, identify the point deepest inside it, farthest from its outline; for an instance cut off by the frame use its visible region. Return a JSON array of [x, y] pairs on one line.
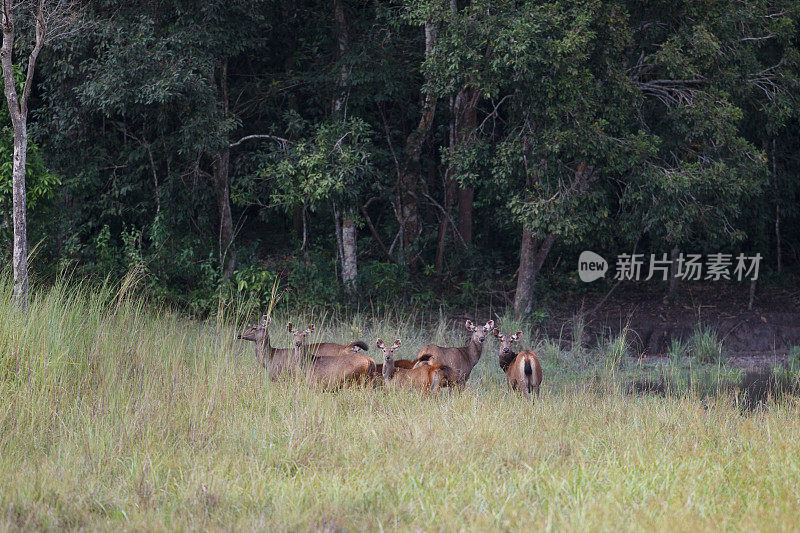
[[332, 365]]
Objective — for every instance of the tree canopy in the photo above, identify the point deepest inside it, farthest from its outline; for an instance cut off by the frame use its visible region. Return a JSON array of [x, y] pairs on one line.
[[221, 146]]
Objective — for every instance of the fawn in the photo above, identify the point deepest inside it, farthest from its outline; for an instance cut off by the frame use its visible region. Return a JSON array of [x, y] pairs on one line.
[[422, 375]]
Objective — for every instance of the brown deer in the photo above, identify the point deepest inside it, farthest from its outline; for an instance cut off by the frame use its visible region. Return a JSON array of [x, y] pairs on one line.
[[276, 360], [398, 363], [329, 370], [523, 370], [460, 361], [260, 335], [423, 375], [334, 349]]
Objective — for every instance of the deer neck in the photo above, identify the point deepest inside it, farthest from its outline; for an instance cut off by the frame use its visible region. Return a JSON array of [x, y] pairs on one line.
[[473, 351], [263, 349], [388, 369]]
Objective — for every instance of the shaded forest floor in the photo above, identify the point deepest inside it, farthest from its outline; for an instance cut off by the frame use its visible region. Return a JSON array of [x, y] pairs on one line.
[[759, 337]]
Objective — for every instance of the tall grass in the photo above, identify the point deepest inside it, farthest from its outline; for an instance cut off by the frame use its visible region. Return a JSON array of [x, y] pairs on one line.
[[119, 415]]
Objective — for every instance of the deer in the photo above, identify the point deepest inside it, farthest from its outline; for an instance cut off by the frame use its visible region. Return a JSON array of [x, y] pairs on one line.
[[523, 370], [422, 375], [459, 361], [334, 349], [330, 371], [302, 358], [260, 335], [398, 363], [276, 360]]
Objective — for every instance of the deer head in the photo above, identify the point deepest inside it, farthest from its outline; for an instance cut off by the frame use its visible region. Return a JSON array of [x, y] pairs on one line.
[[300, 335], [479, 333], [388, 358], [388, 351], [507, 340], [256, 332]]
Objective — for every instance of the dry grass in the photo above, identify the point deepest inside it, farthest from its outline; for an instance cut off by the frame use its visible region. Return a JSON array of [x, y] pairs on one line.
[[115, 416]]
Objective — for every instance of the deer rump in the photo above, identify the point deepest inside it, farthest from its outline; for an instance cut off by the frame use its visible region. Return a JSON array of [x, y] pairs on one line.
[[450, 376], [423, 375], [524, 373]]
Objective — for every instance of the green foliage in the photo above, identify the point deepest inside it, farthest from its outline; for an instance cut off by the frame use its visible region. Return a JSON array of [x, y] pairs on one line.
[[706, 346], [332, 163], [678, 349], [599, 123], [41, 184]]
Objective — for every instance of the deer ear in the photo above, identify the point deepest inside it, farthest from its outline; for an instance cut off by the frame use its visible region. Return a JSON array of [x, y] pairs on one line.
[[489, 325], [496, 332], [380, 344], [517, 335], [396, 344], [310, 327], [469, 325], [291, 328], [264, 320]]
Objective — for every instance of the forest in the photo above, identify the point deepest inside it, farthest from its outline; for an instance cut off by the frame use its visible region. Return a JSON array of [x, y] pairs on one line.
[[427, 152]]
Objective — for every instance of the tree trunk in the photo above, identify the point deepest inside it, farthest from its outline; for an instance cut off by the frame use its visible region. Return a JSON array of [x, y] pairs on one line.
[[778, 258], [465, 198], [673, 272], [412, 157], [341, 42], [449, 185], [466, 116], [349, 251], [18, 111], [222, 187], [531, 258], [449, 191], [227, 253], [20, 257]]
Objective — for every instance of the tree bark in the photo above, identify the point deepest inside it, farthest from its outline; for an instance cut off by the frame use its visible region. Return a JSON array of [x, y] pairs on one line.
[[466, 120], [19, 216], [412, 156], [227, 253], [778, 257], [465, 199], [341, 42], [531, 258], [18, 110], [449, 191], [349, 251], [673, 272], [222, 187], [347, 240]]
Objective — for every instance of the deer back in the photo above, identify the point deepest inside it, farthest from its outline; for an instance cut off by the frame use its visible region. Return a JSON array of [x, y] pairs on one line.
[[334, 371], [459, 360]]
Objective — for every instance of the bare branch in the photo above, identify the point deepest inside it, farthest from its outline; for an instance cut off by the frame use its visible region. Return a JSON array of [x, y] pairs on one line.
[[281, 140]]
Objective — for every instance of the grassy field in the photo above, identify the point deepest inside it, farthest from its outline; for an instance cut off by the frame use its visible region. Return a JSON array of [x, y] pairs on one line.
[[116, 416]]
